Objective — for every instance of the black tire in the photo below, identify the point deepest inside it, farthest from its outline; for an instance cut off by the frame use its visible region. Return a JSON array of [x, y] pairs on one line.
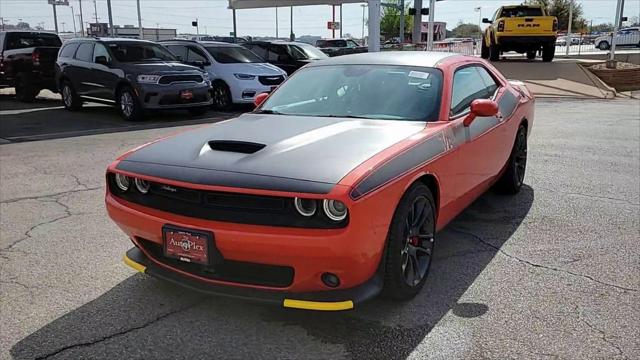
[[128, 104], [604, 45], [484, 50], [196, 111], [221, 96], [494, 52], [70, 98], [409, 251], [26, 91], [531, 55], [513, 177], [548, 52]]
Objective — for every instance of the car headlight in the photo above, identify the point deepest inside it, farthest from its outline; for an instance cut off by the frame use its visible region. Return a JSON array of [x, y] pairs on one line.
[[148, 79], [244, 76], [123, 182], [306, 207], [334, 209], [142, 185]]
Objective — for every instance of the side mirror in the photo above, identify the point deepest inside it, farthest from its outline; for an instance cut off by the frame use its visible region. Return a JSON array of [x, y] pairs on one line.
[[481, 107], [102, 60], [260, 98], [486, 21]]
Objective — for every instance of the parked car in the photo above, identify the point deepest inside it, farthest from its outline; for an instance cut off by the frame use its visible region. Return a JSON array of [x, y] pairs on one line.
[[237, 74], [133, 75], [520, 28], [332, 191], [27, 62], [337, 47], [287, 55], [625, 37]]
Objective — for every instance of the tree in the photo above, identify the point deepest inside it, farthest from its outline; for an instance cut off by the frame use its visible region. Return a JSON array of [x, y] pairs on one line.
[[390, 19], [466, 30], [22, 25], [603, 28], [560, 9]]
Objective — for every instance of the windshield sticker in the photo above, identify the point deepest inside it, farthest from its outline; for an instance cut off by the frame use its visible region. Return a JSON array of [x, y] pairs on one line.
[[418, 74]]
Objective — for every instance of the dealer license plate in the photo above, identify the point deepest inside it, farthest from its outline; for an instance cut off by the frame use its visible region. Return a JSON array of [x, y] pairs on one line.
[[186, 245]]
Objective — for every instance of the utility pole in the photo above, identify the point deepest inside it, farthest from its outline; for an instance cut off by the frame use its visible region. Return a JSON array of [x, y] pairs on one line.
[[333, 20], [292, 36], [432, 8], [401, 22], [363, 7], [416, 34], [73, 18], [55, 17], [95, 9], [110, 18], [197, 27], [2, 21], [140, 31], [235, 34], [81, 22], [612, 54], [569, 27], [341, 20], [276, 22]]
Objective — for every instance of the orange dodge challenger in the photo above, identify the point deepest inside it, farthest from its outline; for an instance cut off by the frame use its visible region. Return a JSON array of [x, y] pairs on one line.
[[332, 190]]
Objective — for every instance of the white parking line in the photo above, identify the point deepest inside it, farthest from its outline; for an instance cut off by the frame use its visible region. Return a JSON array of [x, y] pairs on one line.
[[24, 111]]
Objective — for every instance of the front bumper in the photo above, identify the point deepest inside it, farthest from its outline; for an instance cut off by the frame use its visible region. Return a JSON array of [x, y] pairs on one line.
[[343, 299], [156, 96], [248, 90]]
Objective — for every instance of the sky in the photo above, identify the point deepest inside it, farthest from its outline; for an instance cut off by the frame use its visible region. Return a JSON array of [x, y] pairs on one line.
[[215, 19]]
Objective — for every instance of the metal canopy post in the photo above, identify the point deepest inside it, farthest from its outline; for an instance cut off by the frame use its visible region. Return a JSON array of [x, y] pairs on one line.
[[374, 25], [416, 35]]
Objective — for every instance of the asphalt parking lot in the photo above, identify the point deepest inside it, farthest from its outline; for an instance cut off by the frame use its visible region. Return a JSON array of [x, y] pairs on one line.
[[553, 272]]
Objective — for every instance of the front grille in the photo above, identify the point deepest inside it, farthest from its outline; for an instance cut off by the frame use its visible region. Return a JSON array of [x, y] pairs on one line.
[[168, 79], [226, 270], [225, 206], [271, 80], [176, 99]]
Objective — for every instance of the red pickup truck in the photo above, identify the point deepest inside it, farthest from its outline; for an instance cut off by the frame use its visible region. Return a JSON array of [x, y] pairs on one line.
[[27, 62]]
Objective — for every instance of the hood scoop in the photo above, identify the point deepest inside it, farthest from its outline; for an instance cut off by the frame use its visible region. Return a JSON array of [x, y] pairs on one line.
[[244, 147]]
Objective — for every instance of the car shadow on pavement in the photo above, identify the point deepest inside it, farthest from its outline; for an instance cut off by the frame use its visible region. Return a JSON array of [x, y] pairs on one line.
[[145, 318]]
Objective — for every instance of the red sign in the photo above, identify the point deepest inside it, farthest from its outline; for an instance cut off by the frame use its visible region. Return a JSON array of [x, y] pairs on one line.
[[186, 246], [333, 25]]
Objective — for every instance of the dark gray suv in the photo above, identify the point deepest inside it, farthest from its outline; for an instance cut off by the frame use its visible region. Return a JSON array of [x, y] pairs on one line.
[[133, 75]]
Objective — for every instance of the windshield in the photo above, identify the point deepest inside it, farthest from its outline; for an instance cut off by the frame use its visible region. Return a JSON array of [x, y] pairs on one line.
[[306, 51], [372, 92], [235, 54], [140, 52]]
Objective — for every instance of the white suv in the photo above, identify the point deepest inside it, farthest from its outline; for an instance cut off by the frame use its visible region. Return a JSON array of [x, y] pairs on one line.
[[625, 37], [237, 74]]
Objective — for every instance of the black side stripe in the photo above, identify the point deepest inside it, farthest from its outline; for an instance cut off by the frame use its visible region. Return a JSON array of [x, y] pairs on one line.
[[402, 163], [432, 147]]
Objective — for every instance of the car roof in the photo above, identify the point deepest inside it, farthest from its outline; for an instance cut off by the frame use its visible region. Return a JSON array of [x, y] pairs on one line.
[[405, 58], [27, 31], [109, 39], [210, 43], [277, 42]]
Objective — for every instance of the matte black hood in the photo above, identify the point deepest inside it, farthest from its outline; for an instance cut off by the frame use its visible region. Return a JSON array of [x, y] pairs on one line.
[[275, 152]]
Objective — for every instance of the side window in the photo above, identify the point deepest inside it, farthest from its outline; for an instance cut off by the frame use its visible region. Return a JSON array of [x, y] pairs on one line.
[[352, 44], [85, 52], [101, 50], [470, 83], [277, 53], [194, 54], [258, 50], [68, 50], [496, 15], [178, 50]]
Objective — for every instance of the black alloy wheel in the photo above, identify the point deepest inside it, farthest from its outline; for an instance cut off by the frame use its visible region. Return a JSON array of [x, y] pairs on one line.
[[513, 177], [221, 96], [409, 252]]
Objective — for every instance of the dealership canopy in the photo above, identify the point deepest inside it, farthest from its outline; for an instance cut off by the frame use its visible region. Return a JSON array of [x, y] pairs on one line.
[[374, 12]]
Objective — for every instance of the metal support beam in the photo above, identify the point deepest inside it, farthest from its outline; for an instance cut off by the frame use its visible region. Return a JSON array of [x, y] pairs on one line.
[[111, 29], [81, 21], [140, 32], [401, 21], [416, 34], [432, 10], [374, 25], [55, 17]]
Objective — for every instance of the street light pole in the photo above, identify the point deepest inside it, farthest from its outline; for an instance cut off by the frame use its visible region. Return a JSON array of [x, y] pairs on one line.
[[55, 17], [140, 32], [616, 27], [416, 35], [363, 7], [569, 28], [73, 18], [401, 22], [432, 5], [341, 20], [374, 25], [276, 22], [235, 34], [81, 22], [110, 18], [292, 36]]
